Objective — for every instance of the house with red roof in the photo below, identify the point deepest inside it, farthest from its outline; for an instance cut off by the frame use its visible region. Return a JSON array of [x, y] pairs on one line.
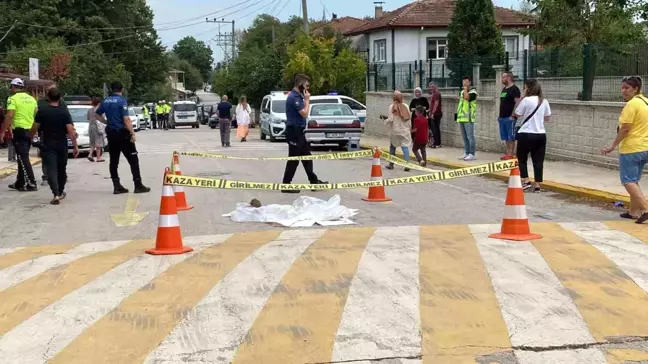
[[418, 31]]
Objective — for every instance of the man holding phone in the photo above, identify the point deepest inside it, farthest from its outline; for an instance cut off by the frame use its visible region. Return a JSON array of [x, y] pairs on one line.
[[121, 138], [297, 106]]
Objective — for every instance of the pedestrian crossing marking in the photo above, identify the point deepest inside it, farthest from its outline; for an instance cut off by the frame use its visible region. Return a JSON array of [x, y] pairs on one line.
[[28, 253], [460, 317], [429, 294], [120, 338], [22, 301], [638, 231], [623, 356], [611, 304], [299, 322]]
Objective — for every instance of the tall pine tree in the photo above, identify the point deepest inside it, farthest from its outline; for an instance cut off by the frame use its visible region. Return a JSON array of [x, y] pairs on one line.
[[473, 36]]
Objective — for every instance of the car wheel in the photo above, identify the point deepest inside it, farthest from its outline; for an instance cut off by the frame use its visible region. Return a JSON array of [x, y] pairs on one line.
[[262, 135], [197, 125], [213, 127], [272, 138]]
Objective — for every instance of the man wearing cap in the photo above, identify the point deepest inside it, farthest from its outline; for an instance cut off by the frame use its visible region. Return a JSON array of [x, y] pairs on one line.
[[21, 109], [121, 138]]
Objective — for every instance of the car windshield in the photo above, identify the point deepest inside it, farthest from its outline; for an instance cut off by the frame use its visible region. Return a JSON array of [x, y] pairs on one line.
[[279, 106], [331, 110], [79, 115], [184, 107], [131, 112]]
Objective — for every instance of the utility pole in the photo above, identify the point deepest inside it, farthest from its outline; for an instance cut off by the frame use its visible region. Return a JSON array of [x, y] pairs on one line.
[[225, 39], [305, 15]]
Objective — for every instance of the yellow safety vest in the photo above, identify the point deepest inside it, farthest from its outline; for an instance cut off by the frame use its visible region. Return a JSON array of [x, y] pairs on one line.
[[24, 106], [467, 110]]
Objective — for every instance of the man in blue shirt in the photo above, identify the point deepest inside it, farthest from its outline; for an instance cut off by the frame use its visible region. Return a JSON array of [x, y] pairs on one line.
[[224, 109], [121, 138], [297, 105]]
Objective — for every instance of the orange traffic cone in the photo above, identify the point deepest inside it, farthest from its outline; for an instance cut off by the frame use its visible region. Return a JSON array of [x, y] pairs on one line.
[[515, 224], [376, 194], [169, 237], [180, 196]]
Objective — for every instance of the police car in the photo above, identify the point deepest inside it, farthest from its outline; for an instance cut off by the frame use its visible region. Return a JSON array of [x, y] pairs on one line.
[[78, 108], [358, 109], [273, 116]]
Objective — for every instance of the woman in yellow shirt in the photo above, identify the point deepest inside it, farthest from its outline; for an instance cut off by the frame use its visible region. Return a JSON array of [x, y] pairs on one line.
[[632, 139]]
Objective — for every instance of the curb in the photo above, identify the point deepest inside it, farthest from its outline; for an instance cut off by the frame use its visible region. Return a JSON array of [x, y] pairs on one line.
[[8, 171], [564, 188]]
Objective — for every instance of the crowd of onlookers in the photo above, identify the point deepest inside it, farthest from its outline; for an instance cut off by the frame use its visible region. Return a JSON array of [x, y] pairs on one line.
[[522, 117]]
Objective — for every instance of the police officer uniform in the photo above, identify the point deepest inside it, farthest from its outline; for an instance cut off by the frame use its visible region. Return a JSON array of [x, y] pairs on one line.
[[115, 107], [297, 144], [24, 107]]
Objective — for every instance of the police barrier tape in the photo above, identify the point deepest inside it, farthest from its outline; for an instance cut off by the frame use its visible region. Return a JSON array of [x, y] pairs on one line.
[[214, 183], [318, 157], [401, 162]]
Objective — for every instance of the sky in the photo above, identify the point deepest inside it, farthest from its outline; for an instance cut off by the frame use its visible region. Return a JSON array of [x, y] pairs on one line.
[[176, 19]]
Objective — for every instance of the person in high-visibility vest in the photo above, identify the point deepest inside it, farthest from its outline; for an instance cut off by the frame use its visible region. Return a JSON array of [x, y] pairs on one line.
[[21, 110], [167, 112], [145, 111], [159, 112], [466, 116]]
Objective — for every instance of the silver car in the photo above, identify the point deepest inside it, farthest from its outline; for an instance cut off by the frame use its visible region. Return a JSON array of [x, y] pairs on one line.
[[332, 124]]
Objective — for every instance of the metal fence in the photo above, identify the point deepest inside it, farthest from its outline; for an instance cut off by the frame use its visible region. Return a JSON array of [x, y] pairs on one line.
[[579, 73]]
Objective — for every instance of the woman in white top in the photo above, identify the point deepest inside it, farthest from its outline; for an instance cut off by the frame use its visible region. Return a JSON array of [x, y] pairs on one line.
[[243, 112], [532, 112]]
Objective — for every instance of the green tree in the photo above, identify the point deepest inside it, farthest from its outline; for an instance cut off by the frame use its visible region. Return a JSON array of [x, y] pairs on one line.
[[196, 53], [192, 78], [473, 36]]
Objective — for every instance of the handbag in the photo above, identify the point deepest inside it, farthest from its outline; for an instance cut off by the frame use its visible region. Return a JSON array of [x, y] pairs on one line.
[[517, 128]]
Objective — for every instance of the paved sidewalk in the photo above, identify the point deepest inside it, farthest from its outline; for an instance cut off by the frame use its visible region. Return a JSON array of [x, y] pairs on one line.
[[567, 177]]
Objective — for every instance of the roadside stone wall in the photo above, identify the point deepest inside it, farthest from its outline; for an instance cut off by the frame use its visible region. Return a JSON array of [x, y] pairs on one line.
[[577, 130]]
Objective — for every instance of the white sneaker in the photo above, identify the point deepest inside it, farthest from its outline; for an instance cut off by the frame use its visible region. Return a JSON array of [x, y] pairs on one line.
[[470, 157], [463, 157]]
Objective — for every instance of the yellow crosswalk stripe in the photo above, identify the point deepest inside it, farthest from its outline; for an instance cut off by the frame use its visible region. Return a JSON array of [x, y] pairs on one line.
[[460, 316], [624, 356], [24, 300], [299, 322], [30, 253], [142, 321], [611, 304], [629, 227]]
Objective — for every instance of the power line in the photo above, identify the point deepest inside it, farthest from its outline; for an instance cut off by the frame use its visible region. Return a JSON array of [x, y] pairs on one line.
[[73, 46]]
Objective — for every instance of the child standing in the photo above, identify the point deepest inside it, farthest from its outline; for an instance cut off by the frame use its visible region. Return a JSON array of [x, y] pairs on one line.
[[421, 135]]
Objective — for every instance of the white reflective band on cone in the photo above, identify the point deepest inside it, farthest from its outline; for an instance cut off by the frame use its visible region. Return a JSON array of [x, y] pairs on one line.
[[376, 161], [176, 167], [515, 182], [379, 178], [178, 189], [515, 212], [168, 221], [167, 190]]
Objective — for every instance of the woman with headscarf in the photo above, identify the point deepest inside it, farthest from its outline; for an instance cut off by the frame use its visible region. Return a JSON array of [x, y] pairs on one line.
[[418, 100], [243, 119], [400, 128]]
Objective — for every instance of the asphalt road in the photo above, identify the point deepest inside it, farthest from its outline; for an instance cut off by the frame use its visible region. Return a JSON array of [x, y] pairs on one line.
[[85, 216]]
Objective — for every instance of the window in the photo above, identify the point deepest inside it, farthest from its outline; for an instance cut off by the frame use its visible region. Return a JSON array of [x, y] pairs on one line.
[[353, 104], [184, 107], [437, 48], [265, 107], [79, 114], [131, 112], [511, 46], [331, 110], [380, 50], [279, 106]]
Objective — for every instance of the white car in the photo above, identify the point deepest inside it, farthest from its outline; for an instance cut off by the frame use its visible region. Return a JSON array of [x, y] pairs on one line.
[[135, 119], [79, 115], [359, 109]]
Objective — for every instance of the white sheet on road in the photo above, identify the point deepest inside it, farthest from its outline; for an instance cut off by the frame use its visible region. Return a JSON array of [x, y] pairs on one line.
[[305, 211]]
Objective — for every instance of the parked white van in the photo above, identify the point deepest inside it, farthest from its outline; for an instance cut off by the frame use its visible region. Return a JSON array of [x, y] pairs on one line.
[[273, 115], [184, 113]]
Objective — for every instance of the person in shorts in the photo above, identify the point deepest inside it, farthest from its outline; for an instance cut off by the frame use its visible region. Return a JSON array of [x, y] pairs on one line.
[[509, 98], [632, 140]]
